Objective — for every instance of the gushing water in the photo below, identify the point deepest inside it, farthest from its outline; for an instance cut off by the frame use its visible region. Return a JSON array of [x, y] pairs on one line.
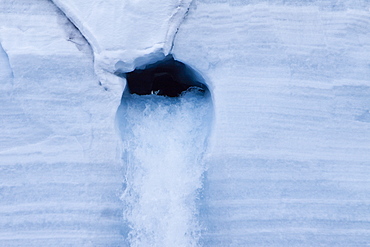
[[164, 140]]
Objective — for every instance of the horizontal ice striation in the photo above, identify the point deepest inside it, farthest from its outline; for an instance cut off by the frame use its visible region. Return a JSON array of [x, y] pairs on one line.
[[60, 204], [291, 152], [164, 141], [60, 179]]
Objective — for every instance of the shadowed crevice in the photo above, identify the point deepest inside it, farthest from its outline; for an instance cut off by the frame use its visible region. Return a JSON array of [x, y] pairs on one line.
[[167, 77]]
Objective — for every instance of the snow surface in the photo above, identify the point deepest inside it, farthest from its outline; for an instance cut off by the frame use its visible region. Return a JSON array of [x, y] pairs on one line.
[[287, 151]]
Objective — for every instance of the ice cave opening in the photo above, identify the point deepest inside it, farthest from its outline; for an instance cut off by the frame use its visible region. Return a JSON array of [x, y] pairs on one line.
[[167, 77], [164, 140]]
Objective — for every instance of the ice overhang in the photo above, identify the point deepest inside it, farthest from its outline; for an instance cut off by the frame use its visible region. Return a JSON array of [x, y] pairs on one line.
[[120, 34]]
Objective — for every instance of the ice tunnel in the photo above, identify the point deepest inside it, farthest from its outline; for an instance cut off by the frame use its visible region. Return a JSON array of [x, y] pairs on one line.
[[167, 77]]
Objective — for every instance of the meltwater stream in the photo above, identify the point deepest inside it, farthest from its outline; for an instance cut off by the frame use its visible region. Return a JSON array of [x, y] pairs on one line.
[[164, 140]]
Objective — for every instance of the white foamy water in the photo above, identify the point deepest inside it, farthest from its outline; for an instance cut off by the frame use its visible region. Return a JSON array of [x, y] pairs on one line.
[[164, 140]]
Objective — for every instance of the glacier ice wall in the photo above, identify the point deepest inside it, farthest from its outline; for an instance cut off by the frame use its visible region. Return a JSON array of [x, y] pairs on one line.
[[60, 178], [289, 152]]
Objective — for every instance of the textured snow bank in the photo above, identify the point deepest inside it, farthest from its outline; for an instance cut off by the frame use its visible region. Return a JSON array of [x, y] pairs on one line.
[[164, 140]]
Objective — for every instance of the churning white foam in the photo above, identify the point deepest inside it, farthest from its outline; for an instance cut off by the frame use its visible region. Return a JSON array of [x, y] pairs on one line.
[[164, 140]]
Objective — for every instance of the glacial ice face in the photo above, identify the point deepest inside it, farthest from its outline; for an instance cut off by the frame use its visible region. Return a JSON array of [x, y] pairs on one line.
[[289, 155], [60, 179], [290, 146]]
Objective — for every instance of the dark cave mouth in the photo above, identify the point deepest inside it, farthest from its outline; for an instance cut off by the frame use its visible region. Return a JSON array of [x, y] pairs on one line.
[[167, 77]]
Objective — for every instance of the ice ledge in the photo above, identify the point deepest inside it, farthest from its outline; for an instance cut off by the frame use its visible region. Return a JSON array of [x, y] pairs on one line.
[[125, 34]]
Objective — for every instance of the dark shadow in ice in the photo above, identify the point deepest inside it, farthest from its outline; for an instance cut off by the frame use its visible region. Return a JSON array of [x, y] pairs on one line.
[[167, 77]]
